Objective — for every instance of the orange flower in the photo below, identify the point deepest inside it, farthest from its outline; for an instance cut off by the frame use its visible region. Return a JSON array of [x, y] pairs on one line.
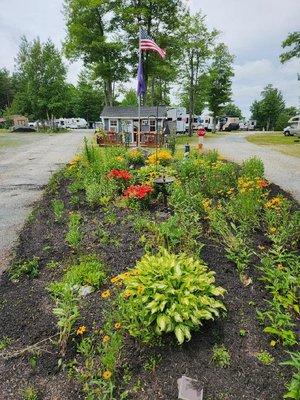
[[118, 325], [106, 375], [105, 294], [262, 183], [81, 330], [106, 339]]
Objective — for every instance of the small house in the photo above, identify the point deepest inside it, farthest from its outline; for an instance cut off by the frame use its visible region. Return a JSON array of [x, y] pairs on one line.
[[125, 120]]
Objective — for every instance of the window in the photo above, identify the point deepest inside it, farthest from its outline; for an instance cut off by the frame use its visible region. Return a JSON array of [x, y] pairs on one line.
[[179, 119], [152, 125], [113, 124], [295, 119]]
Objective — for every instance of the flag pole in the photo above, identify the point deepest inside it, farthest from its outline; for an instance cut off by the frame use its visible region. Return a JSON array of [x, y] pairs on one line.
[[139, 96]]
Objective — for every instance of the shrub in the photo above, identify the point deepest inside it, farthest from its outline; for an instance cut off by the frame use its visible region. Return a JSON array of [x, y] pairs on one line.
[[29, 267], [221, 356], [162, 157], [74, 235], [294, 385], [253, 168], [169, 293]]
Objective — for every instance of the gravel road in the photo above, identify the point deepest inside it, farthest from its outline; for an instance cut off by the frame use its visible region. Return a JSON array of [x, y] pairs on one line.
[[27, 161], [280, 169]]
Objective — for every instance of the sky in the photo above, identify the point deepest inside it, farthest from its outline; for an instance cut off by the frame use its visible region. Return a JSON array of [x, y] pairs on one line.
[[253, 30]]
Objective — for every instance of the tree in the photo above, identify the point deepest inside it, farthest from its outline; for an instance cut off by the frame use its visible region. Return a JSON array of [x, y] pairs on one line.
[[90, 98], [161, 20], [130, 98], [220, 79], [7, 89], [231, 110], [266, 111], [41, 77], [197, 44], [284, 116], [293, 40], [92, 37]]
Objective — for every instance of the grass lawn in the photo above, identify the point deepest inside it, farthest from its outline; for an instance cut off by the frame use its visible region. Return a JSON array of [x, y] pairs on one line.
[[289, 145]]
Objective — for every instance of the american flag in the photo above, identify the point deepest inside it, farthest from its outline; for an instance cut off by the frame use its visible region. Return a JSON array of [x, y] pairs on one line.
[[147, 43]]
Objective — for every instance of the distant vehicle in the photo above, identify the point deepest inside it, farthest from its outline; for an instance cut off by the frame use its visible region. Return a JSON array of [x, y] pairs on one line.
[[71, 123], [177, 119], [293, 129], [195, 123], [228, 124], [208, 122], [248, 125]]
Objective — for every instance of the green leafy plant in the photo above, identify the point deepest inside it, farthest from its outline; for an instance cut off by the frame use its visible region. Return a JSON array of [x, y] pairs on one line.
[[264, 357], [169, 293], [74, 234], [29, 267], [253, 168], [5, 342], [294, 386], [30, 393], [220, 356], [58, 209]]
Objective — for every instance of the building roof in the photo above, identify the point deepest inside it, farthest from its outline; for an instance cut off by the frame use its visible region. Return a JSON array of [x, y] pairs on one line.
[[132, 112]]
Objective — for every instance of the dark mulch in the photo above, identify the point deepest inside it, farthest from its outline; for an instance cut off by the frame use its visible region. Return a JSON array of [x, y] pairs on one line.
[[26, 317]]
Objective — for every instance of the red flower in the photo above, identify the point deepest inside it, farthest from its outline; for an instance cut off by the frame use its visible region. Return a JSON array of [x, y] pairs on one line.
[[262, 183], [120, 174], [138, 191]]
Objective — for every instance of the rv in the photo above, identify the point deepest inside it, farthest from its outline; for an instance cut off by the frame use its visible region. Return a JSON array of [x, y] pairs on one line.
[[71, 123], [195, 123], [294, 127], [176, 119], [228, 124], [207, 122]]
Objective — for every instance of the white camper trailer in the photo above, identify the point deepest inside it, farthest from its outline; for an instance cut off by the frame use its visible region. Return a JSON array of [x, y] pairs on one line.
[[207, 122], [71, 123], [176, 119], [195, 123], [228, 124]]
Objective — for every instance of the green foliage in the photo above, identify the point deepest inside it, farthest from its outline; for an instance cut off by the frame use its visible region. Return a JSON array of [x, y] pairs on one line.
[[29, 267], [221, 356], [89, 271], [294, 386], [30, 393], [220, 76], [58, 209], [129, 99], [42, 87], [7, 89], [74, 234], [253, 168], [284, 116], [292, 41], [232, 110], [267, 110], [264, 357], [5, 342], [169, 293]]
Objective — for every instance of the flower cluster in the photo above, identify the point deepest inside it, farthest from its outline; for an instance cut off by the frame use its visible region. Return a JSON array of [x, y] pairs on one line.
[[137, 191], [275, 203], [120, 174], [135, 156], [162, 157], [247, 184], [81, 330]]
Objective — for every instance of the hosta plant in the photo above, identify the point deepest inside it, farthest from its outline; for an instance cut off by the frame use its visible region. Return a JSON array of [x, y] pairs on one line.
[[168, 293]]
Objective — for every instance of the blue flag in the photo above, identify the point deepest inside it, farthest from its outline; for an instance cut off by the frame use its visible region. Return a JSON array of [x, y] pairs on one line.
[[141, 87]]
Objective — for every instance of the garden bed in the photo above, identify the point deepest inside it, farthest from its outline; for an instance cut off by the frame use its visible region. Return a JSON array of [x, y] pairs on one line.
[[231, 357]]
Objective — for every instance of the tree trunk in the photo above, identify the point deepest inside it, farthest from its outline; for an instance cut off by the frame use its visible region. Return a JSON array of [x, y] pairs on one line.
[[108, 91]]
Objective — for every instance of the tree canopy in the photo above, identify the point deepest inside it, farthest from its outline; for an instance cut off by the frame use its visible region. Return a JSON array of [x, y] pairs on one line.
[[293, 43]]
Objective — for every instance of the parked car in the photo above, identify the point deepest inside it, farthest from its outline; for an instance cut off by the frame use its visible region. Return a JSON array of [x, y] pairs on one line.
[[293, 129]]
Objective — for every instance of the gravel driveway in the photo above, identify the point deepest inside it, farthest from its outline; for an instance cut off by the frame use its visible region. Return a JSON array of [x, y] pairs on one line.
[[27, 160], [280, 169]]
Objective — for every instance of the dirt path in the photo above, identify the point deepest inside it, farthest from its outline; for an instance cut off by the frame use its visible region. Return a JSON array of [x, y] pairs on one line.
[[281, 169], [26, 163]]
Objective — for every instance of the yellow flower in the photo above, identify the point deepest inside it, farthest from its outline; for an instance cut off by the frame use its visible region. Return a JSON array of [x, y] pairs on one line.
[[120, 158], [230, 191], [106, 339], [115, 279], [272, 230], [105, 294], [118, 325], [273, 343], [106, 375], [207, 205], [160, 157], [140, 289], [275, 202], [127, 294], [81, 330]]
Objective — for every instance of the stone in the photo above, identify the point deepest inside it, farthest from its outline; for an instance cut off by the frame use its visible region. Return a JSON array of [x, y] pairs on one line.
[[85, 290], [188, 389]]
